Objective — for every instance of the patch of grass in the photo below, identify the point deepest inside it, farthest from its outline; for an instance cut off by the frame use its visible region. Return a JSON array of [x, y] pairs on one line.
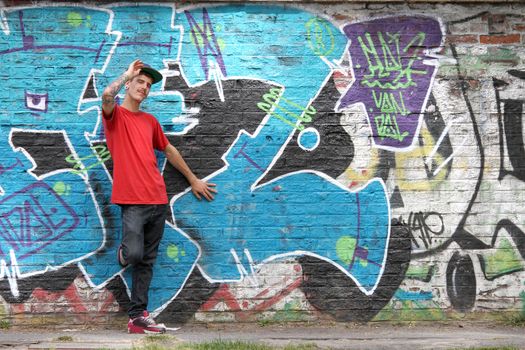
[[159, 338], [157, 342], [515, 320], [65, 338], [505, 318], [5, 324], [267, 322], [264, 322]]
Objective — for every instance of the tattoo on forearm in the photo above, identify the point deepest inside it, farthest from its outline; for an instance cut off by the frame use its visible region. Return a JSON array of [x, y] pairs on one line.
[[113, 89], [108, 99]]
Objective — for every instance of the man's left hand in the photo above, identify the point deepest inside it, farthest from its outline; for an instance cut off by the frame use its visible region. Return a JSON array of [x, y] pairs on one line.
[[204, 189]]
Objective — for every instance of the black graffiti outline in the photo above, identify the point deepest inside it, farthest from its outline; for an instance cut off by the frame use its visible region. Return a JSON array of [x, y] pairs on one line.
[[461, 236]]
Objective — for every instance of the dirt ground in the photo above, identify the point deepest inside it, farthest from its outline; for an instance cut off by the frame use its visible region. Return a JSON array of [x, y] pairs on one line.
[[429, 335]]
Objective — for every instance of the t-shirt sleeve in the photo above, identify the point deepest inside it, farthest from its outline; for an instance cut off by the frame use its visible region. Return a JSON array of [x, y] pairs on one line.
[[111, 115], [108, 121], [160, 141]]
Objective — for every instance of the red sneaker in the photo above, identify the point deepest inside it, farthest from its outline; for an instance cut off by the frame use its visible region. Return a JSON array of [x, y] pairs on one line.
[[145, 324]]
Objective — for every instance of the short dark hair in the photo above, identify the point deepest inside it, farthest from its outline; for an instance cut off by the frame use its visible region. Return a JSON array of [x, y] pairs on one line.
[[146, 74]]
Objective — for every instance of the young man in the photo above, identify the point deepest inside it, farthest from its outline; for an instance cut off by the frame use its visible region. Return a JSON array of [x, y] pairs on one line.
[[138, 186]]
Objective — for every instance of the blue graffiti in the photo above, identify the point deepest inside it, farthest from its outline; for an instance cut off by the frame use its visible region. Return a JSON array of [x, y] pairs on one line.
[[55, 218], [247, 225], [413, 296], [48, 219], [243, 228]]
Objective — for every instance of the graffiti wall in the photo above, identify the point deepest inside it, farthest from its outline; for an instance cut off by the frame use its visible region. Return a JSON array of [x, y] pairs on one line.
[[370, 161]]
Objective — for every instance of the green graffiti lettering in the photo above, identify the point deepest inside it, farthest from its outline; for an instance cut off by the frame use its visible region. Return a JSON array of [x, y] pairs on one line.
[[391, 65], [273, 102], [101, 153], [387, 127], [386, 102], [390, 107], [319, 37]]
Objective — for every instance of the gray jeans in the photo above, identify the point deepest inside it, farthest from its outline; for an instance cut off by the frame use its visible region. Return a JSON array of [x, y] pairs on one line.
[[142, 230]]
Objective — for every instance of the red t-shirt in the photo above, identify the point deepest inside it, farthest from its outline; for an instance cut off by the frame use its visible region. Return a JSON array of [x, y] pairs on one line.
[[131, 138]]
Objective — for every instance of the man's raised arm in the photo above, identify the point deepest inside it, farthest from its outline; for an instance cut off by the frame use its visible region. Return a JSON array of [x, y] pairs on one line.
[[108, 96]]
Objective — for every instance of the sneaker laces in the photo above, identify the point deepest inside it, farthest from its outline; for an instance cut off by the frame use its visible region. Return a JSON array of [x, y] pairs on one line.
[[150, 321]]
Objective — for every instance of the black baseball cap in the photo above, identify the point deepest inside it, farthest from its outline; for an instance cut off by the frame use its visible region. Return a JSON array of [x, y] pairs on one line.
[[153, 73]]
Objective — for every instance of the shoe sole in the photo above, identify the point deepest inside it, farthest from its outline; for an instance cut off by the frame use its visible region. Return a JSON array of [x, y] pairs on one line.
[[146, 331], [140, 330], [119, 254]]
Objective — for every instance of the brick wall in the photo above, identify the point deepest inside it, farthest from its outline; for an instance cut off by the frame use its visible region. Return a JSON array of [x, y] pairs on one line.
[[369, 159]]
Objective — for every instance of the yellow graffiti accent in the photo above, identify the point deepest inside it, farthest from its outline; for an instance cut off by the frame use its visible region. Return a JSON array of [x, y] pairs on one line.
[[406, 160]]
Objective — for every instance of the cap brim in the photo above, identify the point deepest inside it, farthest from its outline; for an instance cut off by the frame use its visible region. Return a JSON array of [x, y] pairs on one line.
[[155, 75]]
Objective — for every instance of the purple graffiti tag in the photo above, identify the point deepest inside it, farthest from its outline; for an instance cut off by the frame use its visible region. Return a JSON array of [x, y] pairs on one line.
[[28, 43], [168, 45], [392, 78], [17, 163], [250, 160], [201, 38], [36, 217]]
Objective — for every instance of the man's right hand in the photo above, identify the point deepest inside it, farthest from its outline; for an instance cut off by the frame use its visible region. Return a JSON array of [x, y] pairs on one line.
[[134, 69]]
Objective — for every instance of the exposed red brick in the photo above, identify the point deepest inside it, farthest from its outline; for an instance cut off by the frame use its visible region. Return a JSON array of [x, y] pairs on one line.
[[462, 39], [519, 27], [500, 39], [340, 17]]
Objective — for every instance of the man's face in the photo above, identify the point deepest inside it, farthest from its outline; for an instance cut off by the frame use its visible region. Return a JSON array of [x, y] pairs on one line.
[[138, 87]]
